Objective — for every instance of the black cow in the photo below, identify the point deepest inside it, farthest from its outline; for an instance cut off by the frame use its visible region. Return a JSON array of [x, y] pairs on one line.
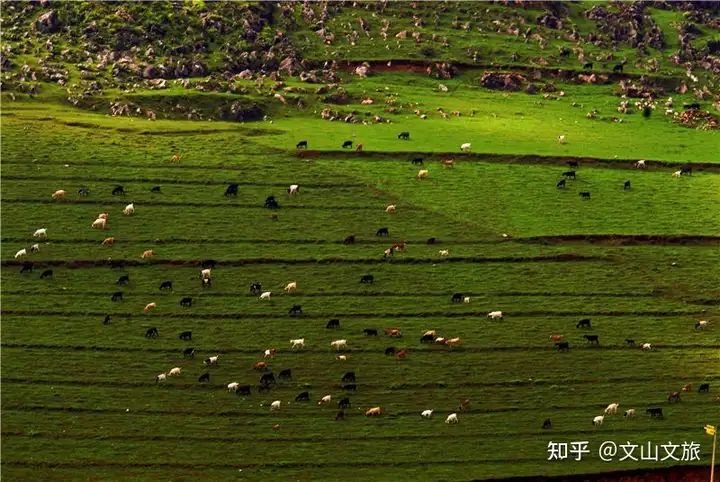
[[592, 339], [255, 288], [431, 241], [584, 323], [166, 285], [686, 170], [562, 346], [83, 191], [569, 174], [704, 388], [348, 377], [27, 267], [285, 374], [560, 184], [301, 145], [618, 68], [189, 352], [107, 319], [584, 194], [349, 239], [119, 190], [572, 164], [152, 333], [367, 279], [693, 106], [267, 379], [117, 296], [370, 332], [344, 403], [630, 341], [429, 338], [232, 189], [626, 185], [404, 136], [186, 302], [303, 397], [391, 350], [588, 65], [347, 145], [417, 161], [382, 232], [155, 189], [334, 323], [185, 335], [547, 424], [48, 273], [655, 412], [205, 377], [123, 280], [208, 263], [271, 202], [457, 298], [349, 387], [243, 390], [295, 310]]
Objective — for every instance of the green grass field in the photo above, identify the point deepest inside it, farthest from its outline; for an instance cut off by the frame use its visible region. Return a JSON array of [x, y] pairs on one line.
[[80, 399]]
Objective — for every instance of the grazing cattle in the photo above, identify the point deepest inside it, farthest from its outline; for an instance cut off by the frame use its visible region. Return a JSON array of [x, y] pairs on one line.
[[547, 424], [160, 378], [152, 332], [325, 400], [630, 413], [149, 253], [495, 315], [108, 242], [271, 203], [569, 174], [701, 325], [592, 339], [347, 145], [99, 223], [394, 332], [232, 387], [175, 372], [117, 296], [166, 285], [674, 397], [290, 287], [401, 354], [612, 409], [155, 189], [704, 388], [265, 295], [457, 298], [351, 387], [231, 190], [185, 335], [630, 341], [83, 191], [285, 374], [639, 164], [452, 419], [118, 190], [40, 233], [560, 184], [255, 288], [149, 307], [584, 323], [417, 161], [349, 239], [212, 361], [563, 346], [404, 136], [338, 344], [618, 68], [444, 253], [295, 310], [297, 343], [677, 174], [348, 377], [655, 412], [391, 350], [48, 273], [426, 414], [427, 338], [598, 420], [626, 185], [59, 194], [293, 189], [561, 139], [646, 346], [301, 145], [186, 302], [465, 147], [27, 267], [373, 412], [344, 403], [302, 397], [204, 378], [390, 209], [382, 232], [556, 338], [423, 173], [334, 323], [367, 279], [129, 209], [189, 352], [123, 280], [267, 379], [370, 332]]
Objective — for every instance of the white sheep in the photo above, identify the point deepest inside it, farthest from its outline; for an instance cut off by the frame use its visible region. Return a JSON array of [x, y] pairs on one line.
[[325, 400], [290, 287], [423, 173], [40, 233], [390, 209], [677, 174], [293, 189], [561, 139], [646, 346], [233, 387], [21, 253], [265, 295], [452, 419], [175, 372], [59, 194], [339, 344], [298, 343], [275, 405], [612, 409], [99, 223], [598, 420], [160, 378], [466, 147], [495, 315], [426, 413], [129, 209], [444, 253]]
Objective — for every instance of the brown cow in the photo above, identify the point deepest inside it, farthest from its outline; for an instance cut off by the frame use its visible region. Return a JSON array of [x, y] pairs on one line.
[[401, 354], [359, 148], [394, 332], [556, 338], [261, 365]]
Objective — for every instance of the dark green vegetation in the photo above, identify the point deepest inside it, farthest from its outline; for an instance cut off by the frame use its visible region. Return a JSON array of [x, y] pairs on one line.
[[79, 397]]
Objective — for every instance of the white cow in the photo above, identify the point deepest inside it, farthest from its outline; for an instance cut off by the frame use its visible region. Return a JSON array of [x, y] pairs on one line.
[[290, 287], [466, 147], [629, 413], [99, 223], [40, 233], [293, 189], [275, 405], [298, 343], [466, 300], [423, 173], [598, 420], [612, 409], [160, 378], [452, 418], [325, 400], [444, 253], [129, 209], [339, 344], [495, 315], [174, 372], [426, 413], [265, 295], [233, 387], [677, 174], [646, 346], [21, 253]]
